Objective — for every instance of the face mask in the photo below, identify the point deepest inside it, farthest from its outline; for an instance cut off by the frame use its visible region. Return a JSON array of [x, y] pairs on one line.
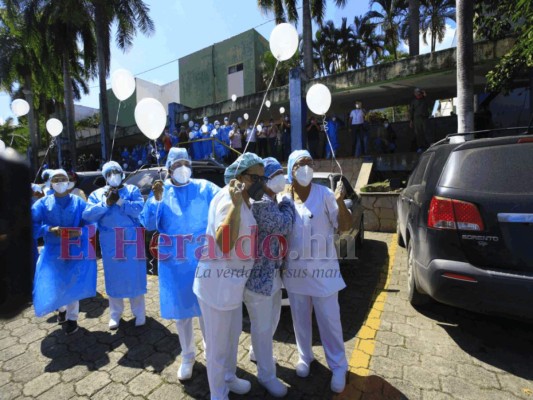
[[386, 125], [256, 191], [182, 174], [333, 119], [304, 175], [60, 187], [358, 107], [276, 184], [114, 180]]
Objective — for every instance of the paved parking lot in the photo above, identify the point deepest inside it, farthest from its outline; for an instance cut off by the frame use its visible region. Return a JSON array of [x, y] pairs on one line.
[[395, 351]]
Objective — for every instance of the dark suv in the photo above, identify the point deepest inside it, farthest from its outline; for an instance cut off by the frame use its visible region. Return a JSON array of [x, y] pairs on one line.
[[466, 217]]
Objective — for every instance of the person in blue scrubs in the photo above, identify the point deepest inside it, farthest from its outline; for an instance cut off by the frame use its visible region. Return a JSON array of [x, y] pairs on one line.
[[66, 268], [115, 209], [332, 129], [197, 147], [178, 210]]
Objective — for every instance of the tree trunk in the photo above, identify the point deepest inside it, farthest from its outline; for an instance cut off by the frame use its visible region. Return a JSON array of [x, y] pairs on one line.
[[414, 27], [465, 65], [307, 39], [102, 75], [28, 94], [69, 111]]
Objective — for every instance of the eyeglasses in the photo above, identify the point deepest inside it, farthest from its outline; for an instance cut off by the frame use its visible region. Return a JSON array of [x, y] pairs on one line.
[[303, 163], [256, 178]]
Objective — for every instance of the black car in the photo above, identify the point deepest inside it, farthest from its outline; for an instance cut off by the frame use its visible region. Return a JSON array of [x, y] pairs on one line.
[[466, 217]]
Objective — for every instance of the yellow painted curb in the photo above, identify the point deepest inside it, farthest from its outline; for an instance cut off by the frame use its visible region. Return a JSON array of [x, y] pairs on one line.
[[365, 342]]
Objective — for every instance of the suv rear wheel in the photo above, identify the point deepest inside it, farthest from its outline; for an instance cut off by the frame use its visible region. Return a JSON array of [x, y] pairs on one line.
[[414, 296]]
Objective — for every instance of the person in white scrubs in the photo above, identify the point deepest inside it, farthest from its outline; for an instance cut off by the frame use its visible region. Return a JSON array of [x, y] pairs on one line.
[[223, 271], [263, 289], [312, 275]]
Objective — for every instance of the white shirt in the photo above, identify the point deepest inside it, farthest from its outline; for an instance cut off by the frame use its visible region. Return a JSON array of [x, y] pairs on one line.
[[315, 271], [251, 135], [357, 116], [220, 282]]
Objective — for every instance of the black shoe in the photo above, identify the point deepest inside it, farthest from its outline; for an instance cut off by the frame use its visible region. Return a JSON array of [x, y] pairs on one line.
[[71, 327], [61, 317]]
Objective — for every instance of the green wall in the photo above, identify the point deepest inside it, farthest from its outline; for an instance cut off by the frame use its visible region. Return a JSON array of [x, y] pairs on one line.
[[203, 74], [126, 115]]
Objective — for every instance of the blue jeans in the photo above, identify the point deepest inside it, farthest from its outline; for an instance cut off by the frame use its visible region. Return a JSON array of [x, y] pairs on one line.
[[360, 140]]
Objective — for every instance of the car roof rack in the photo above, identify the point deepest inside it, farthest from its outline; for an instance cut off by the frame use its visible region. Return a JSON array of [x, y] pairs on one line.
[[455, 138]]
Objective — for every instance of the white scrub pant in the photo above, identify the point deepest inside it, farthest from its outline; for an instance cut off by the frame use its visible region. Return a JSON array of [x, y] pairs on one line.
[[186, 337], [222, 331], [72, 310], [264, 312], [116, 307], [328, 318]]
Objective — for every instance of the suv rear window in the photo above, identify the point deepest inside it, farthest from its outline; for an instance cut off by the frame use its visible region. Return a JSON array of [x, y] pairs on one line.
[[495, 169]]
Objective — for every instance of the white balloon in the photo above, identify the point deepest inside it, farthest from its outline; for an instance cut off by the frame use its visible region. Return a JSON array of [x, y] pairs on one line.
[[233, 97], [268, 103], [246, 116], [318, 99], [2, 146], [283, 41], [185, 117], [123, 84], [151, 117], [54, 126], [282, 110], [259, 128], [204, 128], [20, 107], [239, 120], [191, 124]]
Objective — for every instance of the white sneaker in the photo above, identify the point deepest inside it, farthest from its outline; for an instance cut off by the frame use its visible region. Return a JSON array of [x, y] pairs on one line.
[[140, 321], [275, 387], [113, 324], [338, 381], [302, 369], [185, 370], [239, 386]]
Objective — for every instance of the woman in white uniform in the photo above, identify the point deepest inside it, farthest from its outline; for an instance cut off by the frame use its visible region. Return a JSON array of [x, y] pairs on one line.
[[222, 273], [312, 276]]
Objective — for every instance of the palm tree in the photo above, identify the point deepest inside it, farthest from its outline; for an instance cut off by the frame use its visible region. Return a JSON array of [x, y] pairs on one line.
[[465, 66], [347, 57], [388, 18], [326, 52], [435, 14], [414, 27], [65, 24], [367, 43], [129, 15], [311, 10]]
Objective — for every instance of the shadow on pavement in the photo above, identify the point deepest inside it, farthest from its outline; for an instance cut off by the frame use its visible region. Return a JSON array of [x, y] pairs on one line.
[[369, 387], [362, 277], [503, 343]]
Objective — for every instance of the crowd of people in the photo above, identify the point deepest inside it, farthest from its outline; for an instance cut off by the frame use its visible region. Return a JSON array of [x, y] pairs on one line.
[[219, 248]]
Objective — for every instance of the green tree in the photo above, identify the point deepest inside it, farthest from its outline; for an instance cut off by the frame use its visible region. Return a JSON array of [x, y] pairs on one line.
[[435, 14], [284, 10], [389, 17], [367, 44], [129, 16]]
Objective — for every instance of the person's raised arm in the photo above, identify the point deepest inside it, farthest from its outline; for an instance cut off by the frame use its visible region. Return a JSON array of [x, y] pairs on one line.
[[231, 223], [344, 218]]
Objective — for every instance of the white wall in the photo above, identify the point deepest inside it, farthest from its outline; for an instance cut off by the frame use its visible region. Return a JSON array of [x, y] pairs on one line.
[[168, 93]]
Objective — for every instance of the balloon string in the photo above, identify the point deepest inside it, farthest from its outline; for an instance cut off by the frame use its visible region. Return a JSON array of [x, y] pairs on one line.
[[52, 143], [330, 145], [258, 115], [157, 155], [114, 131]]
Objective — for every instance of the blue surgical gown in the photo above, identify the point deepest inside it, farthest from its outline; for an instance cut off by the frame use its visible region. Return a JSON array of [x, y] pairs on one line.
[[197, 147], [124, 271], [62, 280], [332, 134], [182, 211]]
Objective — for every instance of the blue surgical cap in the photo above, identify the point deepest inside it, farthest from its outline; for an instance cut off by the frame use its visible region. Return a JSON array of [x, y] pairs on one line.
[[111, 166], [271, 166], [177, 154], [56, 172], [240, 165], [293, 159]]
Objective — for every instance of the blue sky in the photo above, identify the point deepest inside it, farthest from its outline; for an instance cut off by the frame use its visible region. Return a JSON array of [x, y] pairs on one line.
[[183, 27]]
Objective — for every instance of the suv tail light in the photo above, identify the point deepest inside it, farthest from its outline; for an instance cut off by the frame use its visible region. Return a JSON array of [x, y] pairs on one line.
[[454, 214]]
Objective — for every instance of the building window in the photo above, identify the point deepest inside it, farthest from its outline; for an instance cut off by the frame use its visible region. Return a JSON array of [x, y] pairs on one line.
[[235, 68]]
